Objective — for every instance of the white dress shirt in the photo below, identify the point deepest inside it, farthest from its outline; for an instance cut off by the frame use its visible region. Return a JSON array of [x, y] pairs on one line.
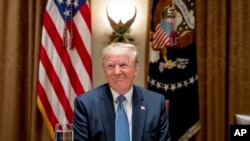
[[127, 104]]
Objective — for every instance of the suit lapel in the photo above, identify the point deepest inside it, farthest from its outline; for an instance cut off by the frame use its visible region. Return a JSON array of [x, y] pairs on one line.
[[138, 115], [107, 113]]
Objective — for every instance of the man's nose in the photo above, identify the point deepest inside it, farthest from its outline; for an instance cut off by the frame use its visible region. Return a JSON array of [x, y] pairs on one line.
[[117, 69]]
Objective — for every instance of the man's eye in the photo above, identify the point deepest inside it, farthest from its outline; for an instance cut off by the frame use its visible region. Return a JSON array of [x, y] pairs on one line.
[[111, 66], [123, 65]]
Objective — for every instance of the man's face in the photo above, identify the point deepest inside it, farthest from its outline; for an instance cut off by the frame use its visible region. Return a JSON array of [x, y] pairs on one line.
[[120, 71]]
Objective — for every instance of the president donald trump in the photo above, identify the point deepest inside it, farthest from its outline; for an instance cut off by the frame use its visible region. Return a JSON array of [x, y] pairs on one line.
[[119, 110]]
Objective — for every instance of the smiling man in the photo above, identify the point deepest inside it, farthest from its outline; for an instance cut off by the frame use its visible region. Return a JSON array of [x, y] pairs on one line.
[[120, 110]]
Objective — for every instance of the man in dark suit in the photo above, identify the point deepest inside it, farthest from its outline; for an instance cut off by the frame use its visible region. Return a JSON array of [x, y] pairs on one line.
[[96, 112]]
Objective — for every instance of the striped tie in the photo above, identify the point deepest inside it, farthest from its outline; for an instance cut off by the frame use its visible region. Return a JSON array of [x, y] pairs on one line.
[[121, 122]]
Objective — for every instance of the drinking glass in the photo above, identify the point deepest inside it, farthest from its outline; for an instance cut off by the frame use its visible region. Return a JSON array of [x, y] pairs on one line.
[[64, 132]]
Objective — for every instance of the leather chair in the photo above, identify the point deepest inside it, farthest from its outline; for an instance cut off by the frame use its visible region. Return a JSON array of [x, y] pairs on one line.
[[242, 119]]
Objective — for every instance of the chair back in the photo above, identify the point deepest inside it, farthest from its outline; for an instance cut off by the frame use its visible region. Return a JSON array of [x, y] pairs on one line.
[[242, 119]]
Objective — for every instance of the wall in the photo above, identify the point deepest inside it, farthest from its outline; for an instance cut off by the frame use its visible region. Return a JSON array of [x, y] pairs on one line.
[[101, 31]]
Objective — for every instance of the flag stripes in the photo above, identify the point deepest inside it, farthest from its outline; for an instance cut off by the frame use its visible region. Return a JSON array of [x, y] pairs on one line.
[[64, 71], [47, 108], [85, 12], [160, 38], [56, 84], [64, 56]]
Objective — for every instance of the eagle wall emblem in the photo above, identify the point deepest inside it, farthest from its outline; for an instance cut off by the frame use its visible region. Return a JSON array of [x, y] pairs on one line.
[[173, 22]]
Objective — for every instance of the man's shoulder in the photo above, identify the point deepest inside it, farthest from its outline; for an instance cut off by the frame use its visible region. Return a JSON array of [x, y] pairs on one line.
[[148, 93], [93, 92]]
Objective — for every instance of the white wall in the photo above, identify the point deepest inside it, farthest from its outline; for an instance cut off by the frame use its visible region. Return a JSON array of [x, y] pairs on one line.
[[101, 31]]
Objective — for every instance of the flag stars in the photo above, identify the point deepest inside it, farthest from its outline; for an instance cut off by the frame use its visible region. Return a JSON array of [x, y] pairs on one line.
[[179, 85], [191, 80], [185, 83], [76, 4], [173, 87], [196, 77], [158, 85], [68, 2], [152, 82], [66, 13], [60, 1], [166, 87]]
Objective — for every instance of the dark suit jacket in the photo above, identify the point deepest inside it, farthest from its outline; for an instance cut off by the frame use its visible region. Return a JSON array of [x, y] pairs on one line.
[[94, 116]]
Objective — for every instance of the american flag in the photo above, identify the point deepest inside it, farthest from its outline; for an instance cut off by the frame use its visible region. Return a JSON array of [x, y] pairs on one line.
[[65, 68], [161, 37]]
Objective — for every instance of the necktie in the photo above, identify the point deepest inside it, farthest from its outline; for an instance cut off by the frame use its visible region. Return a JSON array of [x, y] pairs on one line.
[[121, 122]]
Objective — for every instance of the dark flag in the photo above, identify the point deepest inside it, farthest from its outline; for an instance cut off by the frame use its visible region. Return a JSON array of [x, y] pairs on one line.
[[173, 66]]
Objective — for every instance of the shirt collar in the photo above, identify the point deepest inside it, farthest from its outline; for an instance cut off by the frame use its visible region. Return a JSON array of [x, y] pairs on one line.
[[128, 95]]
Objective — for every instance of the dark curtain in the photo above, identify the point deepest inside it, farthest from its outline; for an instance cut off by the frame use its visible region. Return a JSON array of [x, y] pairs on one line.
[[223, 49]]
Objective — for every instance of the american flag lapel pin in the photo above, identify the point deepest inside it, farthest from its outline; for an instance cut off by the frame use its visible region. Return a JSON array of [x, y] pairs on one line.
[[142, 108]]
